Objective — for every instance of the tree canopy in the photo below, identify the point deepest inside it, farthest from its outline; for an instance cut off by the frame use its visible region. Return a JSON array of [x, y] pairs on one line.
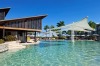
[[46, 27], [92, 24], [61, 23], [51, 26]]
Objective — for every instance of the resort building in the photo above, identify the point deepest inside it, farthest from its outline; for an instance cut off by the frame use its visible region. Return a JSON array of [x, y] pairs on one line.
[[98, 30], [20, 26]]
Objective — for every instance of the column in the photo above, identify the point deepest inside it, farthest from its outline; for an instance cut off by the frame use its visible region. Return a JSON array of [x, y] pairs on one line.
[[35, 37], [26, 35], [72, 35], [3, 32], [23, 36]]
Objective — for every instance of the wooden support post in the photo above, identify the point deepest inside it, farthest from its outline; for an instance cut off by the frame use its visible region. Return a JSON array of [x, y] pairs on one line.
[[3, 33], [35, 37], [26, 36]]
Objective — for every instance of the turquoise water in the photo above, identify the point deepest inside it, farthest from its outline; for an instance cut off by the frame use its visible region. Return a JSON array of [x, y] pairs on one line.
[[54, 53]]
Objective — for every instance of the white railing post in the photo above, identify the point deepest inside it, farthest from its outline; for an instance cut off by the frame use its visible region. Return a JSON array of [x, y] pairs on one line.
[[72, 35]]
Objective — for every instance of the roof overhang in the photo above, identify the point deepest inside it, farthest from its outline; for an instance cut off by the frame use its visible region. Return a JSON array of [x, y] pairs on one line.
[[6, 10], [26, 18]]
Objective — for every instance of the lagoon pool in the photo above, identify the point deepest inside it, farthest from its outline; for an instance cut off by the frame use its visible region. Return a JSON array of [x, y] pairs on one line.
[[54, 53]]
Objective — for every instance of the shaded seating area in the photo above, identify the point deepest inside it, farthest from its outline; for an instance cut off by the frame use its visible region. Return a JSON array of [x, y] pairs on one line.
[[81, 25]]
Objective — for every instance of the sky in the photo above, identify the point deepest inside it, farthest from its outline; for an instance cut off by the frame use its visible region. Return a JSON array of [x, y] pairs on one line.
[[68, 11]]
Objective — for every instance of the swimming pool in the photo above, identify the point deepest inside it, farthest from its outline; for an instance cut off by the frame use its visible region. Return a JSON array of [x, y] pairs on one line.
[[54, 53]]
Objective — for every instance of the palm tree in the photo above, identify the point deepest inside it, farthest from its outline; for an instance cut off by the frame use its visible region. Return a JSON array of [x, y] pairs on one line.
[[92, 24], [61, 23], [46, 27], [64, 32], [69, 32], [51, 26]]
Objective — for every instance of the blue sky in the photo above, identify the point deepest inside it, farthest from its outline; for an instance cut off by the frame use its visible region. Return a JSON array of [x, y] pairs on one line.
[[58, 10]]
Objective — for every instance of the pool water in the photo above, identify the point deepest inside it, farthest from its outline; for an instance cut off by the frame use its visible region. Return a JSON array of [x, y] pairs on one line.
[[54, 53]]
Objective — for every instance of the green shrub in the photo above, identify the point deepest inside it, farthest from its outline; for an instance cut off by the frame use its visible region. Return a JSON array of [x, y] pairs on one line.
[[62, 37], [55, 37], [1, 41], [10, 38]]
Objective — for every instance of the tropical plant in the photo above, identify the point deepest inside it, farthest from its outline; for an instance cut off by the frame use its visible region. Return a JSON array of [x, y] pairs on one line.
[[55, 30], [51, 26], [61, 23], [10, 38], [69, 32], [92, 24], [46, 27], [64, 32], [1, 41], [62, 37], [59, 33]]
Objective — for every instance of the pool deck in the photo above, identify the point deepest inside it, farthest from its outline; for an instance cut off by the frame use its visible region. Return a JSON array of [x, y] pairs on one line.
[[3, 47], [33, 43], [15, 45]]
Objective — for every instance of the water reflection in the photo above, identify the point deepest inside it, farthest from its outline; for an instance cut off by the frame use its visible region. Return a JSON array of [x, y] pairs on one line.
[[47, 45]]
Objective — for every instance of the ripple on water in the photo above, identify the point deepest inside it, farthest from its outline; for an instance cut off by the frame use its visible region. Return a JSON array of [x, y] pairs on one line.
[[55, 53]]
